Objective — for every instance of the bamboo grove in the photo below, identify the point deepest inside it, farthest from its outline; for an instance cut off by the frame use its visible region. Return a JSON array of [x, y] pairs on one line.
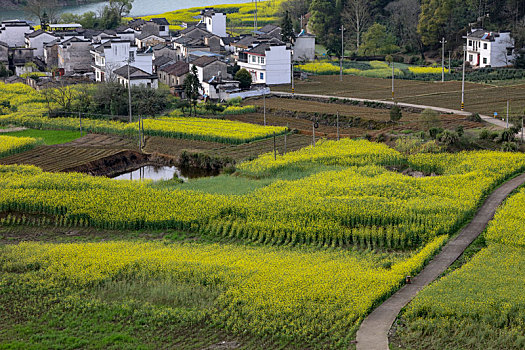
[[362, 204]]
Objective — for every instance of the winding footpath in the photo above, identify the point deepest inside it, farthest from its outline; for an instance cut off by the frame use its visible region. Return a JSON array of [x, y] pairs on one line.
[[488, 119], [373, 333]]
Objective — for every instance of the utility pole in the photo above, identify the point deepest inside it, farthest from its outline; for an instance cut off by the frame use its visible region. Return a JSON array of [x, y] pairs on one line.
[[285, 138], [342, 54], [313, 134], [140, 133], [293, 89], [274, 149], [463, 79], [449, 63], [255, 18], [264, 108], [80, 120], [392, 79], [337, 125], [129, 95], [508, 105], [443, 59]]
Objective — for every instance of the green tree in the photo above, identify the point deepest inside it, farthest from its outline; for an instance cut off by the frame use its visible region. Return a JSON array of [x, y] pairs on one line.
[[3, 71], [377, 41], [395, 114], [192, 87], [323, 20], [434, 19], [110, 18], [244, 77], [287, 32]]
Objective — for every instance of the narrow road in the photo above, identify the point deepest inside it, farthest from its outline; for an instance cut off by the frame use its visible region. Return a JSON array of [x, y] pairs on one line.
[[488, 119], [373, 333]]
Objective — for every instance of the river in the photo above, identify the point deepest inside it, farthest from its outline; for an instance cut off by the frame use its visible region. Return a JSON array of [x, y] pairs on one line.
[[140, 7]]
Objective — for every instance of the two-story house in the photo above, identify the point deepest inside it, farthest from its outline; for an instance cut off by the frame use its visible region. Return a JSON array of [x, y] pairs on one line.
[[489, 49], [268, 63], [37, 39], [13, 32], [209, 67], [304, 47], [215, 22], [127, 75], [113, 54]]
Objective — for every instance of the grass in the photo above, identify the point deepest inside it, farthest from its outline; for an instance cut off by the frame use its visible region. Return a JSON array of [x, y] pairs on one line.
[[48, 137], [240, 185]]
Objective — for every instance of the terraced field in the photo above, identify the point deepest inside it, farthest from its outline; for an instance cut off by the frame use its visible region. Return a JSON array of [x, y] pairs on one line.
[[480, 98], [55, 159]]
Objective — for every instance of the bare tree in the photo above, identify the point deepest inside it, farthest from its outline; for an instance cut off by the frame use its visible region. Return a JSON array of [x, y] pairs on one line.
[[356, 16], [404, 15], [44, 10]]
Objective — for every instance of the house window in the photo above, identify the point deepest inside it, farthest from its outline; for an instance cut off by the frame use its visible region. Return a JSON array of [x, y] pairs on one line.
[[509, 52], [485, 46], [484, 60], [209, 21], [470, 58], [470, 43], [262, 60], [161, 28], [261, 76], [254, 59]]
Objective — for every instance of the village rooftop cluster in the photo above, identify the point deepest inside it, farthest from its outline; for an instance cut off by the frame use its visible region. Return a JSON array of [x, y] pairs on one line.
[[146, 53]]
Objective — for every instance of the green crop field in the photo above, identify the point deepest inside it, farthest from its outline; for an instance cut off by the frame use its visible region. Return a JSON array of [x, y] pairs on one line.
[[481, 304], [289, 252]]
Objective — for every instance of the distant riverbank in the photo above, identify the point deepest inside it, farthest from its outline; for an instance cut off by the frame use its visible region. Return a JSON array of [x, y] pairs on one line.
[[140, 7]]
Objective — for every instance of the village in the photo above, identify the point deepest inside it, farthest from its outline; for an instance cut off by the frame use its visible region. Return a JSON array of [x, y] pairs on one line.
[[147, 53]]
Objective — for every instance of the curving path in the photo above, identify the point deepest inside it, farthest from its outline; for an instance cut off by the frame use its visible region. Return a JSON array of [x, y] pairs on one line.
[[373, 333], [485, 118]]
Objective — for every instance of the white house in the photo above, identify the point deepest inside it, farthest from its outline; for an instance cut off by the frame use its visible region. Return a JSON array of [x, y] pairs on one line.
[[215, 22], [137, 77], [489, 49], [163, 26], [268, 63], [13, 32], [114, 54], [209, 67], [37, 39], [304, 47]]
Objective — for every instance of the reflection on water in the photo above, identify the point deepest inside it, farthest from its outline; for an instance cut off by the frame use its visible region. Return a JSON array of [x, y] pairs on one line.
[[140, 7], [156, 173]]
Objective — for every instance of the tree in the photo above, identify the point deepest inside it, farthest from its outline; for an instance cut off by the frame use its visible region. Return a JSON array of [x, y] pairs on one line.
[[395, 114], [109, 18], [88, 20], [433, 20], [4, 72], [44, 10], [356, 16], [430, 119], [324, 19], [287, 32], [378, 42], [192, 87], [244, 77], [122, 7], [403, 22]]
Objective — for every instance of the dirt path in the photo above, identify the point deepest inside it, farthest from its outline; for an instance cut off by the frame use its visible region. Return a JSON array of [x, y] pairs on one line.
[[486, 118], [373, 333]]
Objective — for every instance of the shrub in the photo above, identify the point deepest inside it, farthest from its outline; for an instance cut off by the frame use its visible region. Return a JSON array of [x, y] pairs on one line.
[[509, 147], [430, 119], [395, 114], [434, 132], [474, 117], [507, 135], [244, 77], [460, 130], [484, 134], [448, 137]]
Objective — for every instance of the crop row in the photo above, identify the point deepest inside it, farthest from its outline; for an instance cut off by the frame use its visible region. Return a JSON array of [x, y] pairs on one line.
[[362, 203], [10, 145], [484, 298], [286, 295], [28, 108]]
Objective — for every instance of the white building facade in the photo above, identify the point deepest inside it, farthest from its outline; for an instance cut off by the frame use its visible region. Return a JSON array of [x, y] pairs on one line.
[[36, 40], [268, 64], [489, 49], [13, 32], [215, 22], [304, 47]]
